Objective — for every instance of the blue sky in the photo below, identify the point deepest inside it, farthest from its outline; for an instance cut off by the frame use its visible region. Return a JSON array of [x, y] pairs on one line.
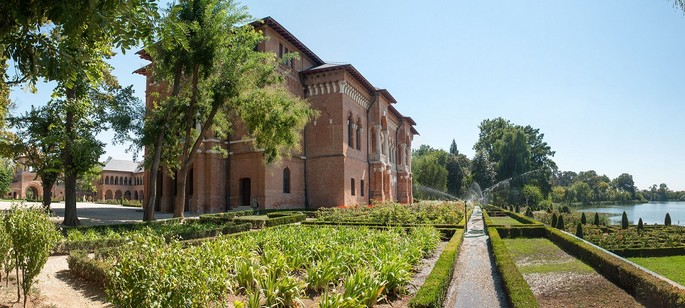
[[603, 80]]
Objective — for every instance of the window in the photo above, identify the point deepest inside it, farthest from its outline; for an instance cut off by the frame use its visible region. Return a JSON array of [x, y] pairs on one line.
[[286, 180], [358, 136], [349, 132], [280, 50], [352, 187], [361, 188]]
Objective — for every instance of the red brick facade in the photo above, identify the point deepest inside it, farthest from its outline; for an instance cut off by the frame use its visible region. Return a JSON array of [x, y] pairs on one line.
[[357, 150]]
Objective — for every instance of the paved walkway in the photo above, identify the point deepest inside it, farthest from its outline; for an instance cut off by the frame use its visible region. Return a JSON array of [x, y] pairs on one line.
[[476, 282], [98, 214]]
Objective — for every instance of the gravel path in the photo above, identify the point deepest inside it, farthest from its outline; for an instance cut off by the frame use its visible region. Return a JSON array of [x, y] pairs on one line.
[[59, 288], [476, 282]]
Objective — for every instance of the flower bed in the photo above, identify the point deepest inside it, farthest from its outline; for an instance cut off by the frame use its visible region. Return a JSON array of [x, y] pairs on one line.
[[445, 213], [346, 266]]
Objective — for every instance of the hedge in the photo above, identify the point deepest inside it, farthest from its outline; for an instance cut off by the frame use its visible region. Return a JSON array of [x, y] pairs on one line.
[[64, 247], [533, 231], [524, 219], [515, 286], [225, 229], [218, 217], [89, 268], [434, 290], [293, 218], [372, 224], [645, 287], [649, 252]]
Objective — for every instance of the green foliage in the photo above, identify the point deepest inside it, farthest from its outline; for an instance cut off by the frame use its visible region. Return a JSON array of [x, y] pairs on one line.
[[667, 219], [624, 221], [6, 177], [579, 230], [640, 225], [596, 220], [529, 213], [33, 235], [395, 213], [560, 223], [434, 290], [583, 219], [555, 219], [533, 194]]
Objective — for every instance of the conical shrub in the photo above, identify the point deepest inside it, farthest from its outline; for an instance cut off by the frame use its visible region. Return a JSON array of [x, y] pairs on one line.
[[560, 222], [640, 225], [583, 220], [596, 223], [579, 230], [624, 221], [554, 220], [667, 219]]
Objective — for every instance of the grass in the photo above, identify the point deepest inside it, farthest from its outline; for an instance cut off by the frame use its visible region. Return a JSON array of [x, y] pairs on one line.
[[540, 255], [254, 217], [505, 220], [670, 267]]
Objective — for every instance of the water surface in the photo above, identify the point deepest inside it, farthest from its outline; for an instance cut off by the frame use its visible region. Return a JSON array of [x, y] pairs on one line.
[[651, 213]]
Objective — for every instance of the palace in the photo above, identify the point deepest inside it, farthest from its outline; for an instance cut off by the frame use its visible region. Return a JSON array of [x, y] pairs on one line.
[[356, 151]]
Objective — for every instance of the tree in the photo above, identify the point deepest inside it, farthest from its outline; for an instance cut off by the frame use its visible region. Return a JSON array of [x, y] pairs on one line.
[[554, 220], [582, 192], [453, 148], [624, 221], [6, 177], [217, 79], [579, 230], [596, 221], [482, 170], [533, 194], [625, 182], [513, 153], [662, 192], [455, 175], [640, 225], [39, 136], [429, 172], [583, 219], [560, 222], [73, 53]]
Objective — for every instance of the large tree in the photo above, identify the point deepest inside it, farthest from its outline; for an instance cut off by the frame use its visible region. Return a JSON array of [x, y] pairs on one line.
[[68, 42], [206, 54]]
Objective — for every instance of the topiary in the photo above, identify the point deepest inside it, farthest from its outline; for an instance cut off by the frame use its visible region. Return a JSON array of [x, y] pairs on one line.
[[565, 209], [518, 209], [529, 213], [624, 221], [640, 225], [596, 222], [583, 220], [560, 222], [579, 230], [554, 220], [667, 219]]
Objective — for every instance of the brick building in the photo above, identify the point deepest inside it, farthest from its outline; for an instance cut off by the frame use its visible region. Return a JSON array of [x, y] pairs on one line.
[[357, 150], [120, 179], [26, 185]]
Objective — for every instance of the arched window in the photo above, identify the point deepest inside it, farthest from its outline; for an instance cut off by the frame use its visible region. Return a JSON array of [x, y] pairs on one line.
[[349, 132], [106, 180], [286, 180], [352, 188], [116, 180]]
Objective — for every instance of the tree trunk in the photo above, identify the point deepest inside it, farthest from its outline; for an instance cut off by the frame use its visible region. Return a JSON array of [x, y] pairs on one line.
[[179, 206], [70, 176], [149, 214], [47, 193]]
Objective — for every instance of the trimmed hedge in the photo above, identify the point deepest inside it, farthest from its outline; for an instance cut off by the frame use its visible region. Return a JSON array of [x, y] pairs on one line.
[[649, 252], [225, 229], [434, 290], [368, 224], [64, 247], [524, 219], [292, 218], [521, 231], [646, 288], [515, 286], [218, 217], [89, 268]]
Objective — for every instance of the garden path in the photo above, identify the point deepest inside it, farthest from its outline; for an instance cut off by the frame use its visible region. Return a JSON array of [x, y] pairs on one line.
[[476, 282]]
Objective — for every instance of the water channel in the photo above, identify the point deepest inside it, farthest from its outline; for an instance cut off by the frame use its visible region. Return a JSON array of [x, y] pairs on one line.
[[651, 213]]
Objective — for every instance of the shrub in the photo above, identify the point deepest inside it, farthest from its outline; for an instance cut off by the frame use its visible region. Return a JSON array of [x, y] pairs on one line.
[[517, 209], [579, 230], [596, 222], [33, 236], [554, 220], [565, 209], [667, 219], [6, 253], [515, 286], [292, 218], [529, 213], [640, 226], [560, 222], [624, 221], [583, 219], [89, 268]]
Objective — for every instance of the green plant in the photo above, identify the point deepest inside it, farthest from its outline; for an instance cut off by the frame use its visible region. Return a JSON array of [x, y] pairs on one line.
[[579, 230], [554, 220], [365, 286], [33, 235], [560, 222], [667, 219], [596, 221], [583, 219], [624, 221], [517, 289], [640, 225], [6, 253]]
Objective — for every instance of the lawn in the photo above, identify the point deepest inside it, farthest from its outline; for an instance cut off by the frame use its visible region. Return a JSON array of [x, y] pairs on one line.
[[539, 255], [505, 220], [670, 267]]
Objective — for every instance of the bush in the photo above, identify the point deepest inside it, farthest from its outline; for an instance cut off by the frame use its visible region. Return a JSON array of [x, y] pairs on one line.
[[93, 270], [596, 222], [624, 221], [293, 218], [529, 213], [560, 222], [579, 230], [554, 220], [33, 236], [583, 219], [667, 219], [640, 225], [434, 290]]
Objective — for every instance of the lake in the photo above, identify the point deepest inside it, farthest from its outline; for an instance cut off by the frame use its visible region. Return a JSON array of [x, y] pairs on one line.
[[651, 213]]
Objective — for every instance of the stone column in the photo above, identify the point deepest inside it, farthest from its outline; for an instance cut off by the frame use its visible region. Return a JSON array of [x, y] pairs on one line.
[[402, 154], [385, 142]]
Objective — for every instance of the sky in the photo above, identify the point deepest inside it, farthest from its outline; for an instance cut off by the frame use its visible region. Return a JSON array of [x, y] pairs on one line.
[[603, 80]]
